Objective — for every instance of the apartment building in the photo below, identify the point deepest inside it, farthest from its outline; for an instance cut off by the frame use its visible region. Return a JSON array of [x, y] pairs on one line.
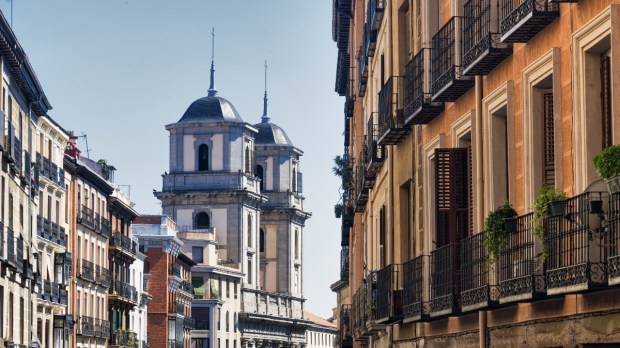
[[167, 271], [452, 109], [23, 103]]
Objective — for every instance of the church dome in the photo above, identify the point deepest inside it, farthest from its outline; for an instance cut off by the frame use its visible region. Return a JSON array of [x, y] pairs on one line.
[[211, 109], [271, 134]]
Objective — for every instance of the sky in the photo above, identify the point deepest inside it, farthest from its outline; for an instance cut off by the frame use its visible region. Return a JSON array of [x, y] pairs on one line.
[[118, 71]]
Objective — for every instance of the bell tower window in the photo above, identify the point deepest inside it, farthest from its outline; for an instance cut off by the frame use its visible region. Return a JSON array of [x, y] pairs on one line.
[[203, 158], [202, 221]]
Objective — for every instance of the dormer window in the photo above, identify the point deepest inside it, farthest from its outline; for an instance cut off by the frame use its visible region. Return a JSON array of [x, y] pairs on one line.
[[202, 221], [203, 158]]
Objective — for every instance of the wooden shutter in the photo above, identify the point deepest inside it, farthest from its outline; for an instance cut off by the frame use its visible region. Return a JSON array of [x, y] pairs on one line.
[[606, 100], [452, 195], [548, 140]]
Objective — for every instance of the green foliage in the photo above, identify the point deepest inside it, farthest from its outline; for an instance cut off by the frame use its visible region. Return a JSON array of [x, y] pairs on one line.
[[544, 196], [343, 168], [607, 162], [495, 229]]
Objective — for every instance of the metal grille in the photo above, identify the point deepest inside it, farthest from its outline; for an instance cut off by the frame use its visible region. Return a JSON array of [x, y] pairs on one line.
[[390, 103], [344, 264], [414, 83], [412, 287], [517, 257], [371, 296], [389, 292], [444, 277], [523, 19], [474, 271], [613, 220], [362, 70], [477, 26], [344, 325], [444, 50], [577, 244], [606, 115], [548, 139], [373, 151]]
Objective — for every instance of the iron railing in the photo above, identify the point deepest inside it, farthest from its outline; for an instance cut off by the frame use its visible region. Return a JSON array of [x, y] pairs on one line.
[[476, 292], [344, 264], [448, 81], [613, 221], [87, 217], [482, 46], [418, 108], [389, 293], [414, 307], [391, 117], [577, 245], [344, 326], [88, 269], [523, 19], [124, 290], [374, 154], [444, 280], [362, 71], [361, 189], [124, 338], [124, 242], [87, 326]]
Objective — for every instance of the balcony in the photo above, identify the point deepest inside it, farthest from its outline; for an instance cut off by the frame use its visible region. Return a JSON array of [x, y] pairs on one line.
[[344, 264], [270, 304], [202, 325], [448, 81], [344, 327], [364, 308], [391, 115], [189, 323], [519, 278], [444, 294], [121, 242], [414, 307], [362, 71], [577, 245], [418, 106], [87, 326], [124, 338], [523, 19], [87, 218], [103, 277], [88, 271], [389, 294], [613, 221], [122, 291], [175, 271], [104, 329], [106, 228], [361, 189], [483, 49], [476, 292], [374, 154], [186, 287]]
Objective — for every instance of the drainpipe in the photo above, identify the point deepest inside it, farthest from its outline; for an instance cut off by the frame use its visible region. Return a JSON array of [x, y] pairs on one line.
[[479, 204]]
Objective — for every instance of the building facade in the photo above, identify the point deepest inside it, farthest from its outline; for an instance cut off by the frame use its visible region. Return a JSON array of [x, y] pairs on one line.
[[167, 271], [321, 333], [452, 109]]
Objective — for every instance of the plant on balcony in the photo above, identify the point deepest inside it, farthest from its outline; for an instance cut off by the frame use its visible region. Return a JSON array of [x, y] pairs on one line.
[[607, 164], [343, 169], [545, 199], [495, 229]]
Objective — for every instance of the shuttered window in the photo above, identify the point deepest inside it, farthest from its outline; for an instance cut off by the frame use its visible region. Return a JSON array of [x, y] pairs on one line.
[[606, 100], [548, 140], [452, 195]]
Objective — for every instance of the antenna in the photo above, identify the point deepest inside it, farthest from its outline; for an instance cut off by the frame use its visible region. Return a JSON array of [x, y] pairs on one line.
[[265, 118], [212, 90], [86, 140]]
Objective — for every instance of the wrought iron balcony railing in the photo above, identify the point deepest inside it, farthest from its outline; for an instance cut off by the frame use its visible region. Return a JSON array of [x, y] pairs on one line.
[[414, 307], [577, 244], [374, 153], [613, 222], [369, 41], [344, 327], [124, 338], [87, 271], [344, 264], [519, 277], [124, 291], [87, 217], [175, 271], [189, 323], [106, 227], [362, 71], [374, 13], [87, 326], [419, 109], [364, 307], [202, 325], [476, 291], [389, 294], [448, 81], [445, 290], [483, 49], [361, 188], [124, 242], [523, 19], [391, 117], [103, 277]]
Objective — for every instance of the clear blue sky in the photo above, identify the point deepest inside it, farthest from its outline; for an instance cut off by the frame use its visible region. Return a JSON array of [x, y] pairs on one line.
[[120, 70]]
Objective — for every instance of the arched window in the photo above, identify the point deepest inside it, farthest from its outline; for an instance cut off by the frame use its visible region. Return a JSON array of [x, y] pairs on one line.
[[261, 241], [258, 172], [249, 219], [294, 188], [203, 158], [248, 161], [202, 221]]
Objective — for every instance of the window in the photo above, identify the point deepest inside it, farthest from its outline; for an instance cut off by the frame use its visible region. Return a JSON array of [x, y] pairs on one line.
[[249, 221], [548, 140], [296, 246], [294, 180], [202, 221], [203, 158], [261, 240], [382, 251], [249, 271], [197, 254], [10, 211], [258, 172], [227, 322], [235, 290], [227, 289], [248, 160]]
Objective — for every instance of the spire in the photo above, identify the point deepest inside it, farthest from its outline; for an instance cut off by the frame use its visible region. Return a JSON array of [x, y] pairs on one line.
[[212, 90], [265, 118]]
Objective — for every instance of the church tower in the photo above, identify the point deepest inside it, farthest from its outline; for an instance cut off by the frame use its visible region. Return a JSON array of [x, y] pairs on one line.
[[211, 184], [283, 216]]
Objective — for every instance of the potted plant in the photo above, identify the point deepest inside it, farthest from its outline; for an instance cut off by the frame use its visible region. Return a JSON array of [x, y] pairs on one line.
[[549, 202], [338, 208], [496, 230], [607, 164]]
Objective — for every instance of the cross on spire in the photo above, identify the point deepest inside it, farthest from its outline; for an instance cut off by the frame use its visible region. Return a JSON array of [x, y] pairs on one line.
[[265, 118], [212, 90]]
